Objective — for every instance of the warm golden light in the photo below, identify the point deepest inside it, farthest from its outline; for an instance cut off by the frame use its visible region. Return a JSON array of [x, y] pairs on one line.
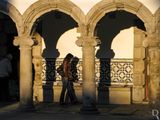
[[66, 44]]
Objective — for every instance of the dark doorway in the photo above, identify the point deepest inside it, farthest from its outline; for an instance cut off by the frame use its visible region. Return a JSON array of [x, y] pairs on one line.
[[7, 32]]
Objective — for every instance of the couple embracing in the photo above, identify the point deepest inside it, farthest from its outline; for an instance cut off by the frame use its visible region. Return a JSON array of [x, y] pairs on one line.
[[68, 72]]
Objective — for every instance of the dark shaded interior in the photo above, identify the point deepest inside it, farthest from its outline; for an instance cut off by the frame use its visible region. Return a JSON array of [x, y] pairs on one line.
[[7, 32]]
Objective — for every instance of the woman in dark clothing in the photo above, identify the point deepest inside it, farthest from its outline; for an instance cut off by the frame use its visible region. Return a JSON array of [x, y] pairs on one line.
[[73, 78], [65, 78]]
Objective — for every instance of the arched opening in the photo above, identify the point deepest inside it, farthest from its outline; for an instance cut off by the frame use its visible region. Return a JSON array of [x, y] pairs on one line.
[[7, 32], [121, 34], [50, 30]]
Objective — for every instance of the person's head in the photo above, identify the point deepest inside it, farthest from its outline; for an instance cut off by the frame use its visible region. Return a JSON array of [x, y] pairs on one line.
[[69, 56], [75, 60]]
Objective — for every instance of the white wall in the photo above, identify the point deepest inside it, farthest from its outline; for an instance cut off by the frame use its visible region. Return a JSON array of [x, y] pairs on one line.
[[21, 5], [123, 44], [69, 47]]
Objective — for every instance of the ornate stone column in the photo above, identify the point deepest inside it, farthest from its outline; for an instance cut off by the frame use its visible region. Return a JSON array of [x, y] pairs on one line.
[[37, 61], [88, 74], [26, 83], [154, 71]]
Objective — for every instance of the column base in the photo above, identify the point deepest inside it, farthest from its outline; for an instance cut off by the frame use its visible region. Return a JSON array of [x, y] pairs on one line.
[[89, 110], [26, 108]]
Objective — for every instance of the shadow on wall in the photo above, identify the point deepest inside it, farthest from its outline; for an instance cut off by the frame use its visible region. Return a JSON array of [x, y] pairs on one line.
[[107, 29], [51, 26]]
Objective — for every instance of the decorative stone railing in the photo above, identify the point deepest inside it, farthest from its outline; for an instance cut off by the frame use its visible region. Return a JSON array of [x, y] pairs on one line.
[[108, 71]]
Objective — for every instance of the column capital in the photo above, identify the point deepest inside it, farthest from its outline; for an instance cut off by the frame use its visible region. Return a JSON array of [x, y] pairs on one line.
[[24, 40], [88, 41]]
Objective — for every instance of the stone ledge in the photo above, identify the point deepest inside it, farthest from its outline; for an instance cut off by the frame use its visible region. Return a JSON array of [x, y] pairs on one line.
[[118, 95]]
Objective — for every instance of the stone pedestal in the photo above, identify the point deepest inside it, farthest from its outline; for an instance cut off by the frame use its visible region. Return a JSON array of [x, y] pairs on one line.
[[48, 92], [103, 93]]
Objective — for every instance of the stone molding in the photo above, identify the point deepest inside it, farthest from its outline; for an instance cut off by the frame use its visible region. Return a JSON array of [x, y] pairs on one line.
[[157, 15], [86, 23], [24, 41], [43, 6], [88, 41], [153, 40], [13, 13], [132, 6]]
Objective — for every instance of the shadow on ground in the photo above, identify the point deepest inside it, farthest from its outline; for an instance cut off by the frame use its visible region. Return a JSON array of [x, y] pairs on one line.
[[56, 111]]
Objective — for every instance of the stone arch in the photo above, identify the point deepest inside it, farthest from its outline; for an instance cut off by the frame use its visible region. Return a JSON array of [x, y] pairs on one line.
[[41, 7], [11, 11], [130, 6], [157, 17], [106, 6]]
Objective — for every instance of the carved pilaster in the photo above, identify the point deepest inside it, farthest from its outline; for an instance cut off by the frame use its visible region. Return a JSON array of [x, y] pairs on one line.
[[139, 68], [154, 70], [37, 61]]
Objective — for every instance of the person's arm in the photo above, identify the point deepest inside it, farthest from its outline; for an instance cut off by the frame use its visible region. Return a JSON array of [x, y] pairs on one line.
[[69, 72]]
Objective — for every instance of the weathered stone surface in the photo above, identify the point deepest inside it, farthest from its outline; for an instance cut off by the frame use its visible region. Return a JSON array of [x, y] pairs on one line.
[[119, 95], [139, 79], [138, 94], [139, 53]]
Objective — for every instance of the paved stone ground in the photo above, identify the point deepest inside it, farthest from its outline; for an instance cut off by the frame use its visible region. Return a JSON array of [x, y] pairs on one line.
[[9, 111]]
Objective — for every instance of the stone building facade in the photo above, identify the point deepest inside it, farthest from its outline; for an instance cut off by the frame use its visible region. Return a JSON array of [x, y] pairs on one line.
[[146, 59]]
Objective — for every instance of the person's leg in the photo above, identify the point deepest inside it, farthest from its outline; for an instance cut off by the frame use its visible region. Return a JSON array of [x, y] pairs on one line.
[[70, 91], [63, 91], [75, 100], [67, 100]]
